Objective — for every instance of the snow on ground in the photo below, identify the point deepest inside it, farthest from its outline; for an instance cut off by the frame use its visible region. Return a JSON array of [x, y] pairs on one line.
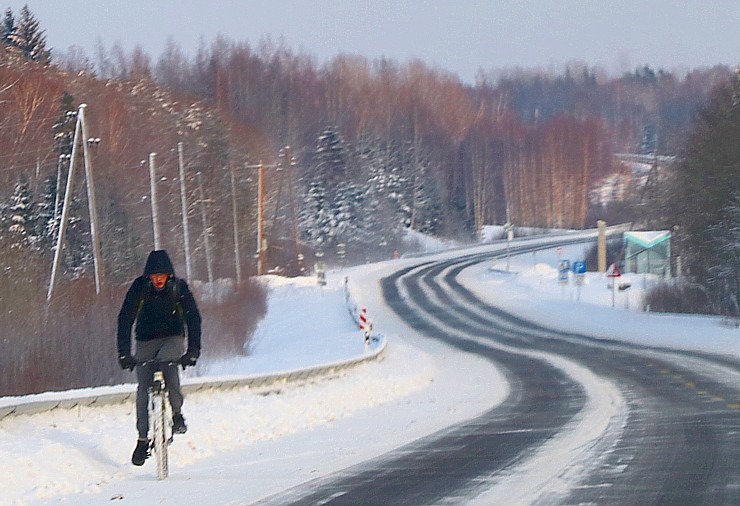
[[531, 289], [243, 446]]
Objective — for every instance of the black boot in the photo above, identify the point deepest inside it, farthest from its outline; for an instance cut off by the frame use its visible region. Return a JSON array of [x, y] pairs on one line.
[[141, 452], [178, 424]]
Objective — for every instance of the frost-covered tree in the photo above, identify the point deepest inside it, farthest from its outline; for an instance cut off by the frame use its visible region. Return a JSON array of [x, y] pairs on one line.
[[63, 128], [77, 254], [316, 216], [47, 217], [385, 211], [7, 28], [330, 157], [398, 194], [51, 200], [426, 205], [20, 219], [29, 37], [348, 208], [726, 273], [327, 209], [649, 142], [704, 196], [118, 242]]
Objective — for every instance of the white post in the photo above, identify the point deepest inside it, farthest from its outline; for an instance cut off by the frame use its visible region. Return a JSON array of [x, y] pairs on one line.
[[56, 196], [209, 266], [92, 207], [184, 205], [614, 293], [509, 236], [153, 196], [65, 212], [260, 220], [236, 229]]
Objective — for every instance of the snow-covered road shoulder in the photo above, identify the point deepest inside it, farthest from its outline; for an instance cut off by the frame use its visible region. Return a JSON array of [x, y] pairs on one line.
[[243, 444]]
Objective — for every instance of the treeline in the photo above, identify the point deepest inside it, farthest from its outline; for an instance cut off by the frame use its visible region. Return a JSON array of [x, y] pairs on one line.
[[68, 341], [378, 145], [700, 202], [499, 143], [375, 147]]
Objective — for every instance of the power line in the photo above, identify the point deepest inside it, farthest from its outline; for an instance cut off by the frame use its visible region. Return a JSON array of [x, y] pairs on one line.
[[25, 123], [45, 164], [20, 153]]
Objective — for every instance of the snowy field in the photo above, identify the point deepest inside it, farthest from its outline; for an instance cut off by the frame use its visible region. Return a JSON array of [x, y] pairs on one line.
[[242, 446]]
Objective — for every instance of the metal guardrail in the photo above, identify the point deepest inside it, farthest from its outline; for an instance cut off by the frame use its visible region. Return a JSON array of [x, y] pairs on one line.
[[260, 382], [102, 396]]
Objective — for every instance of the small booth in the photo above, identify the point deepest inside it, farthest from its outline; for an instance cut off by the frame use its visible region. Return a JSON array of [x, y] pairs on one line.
[[648, 252]]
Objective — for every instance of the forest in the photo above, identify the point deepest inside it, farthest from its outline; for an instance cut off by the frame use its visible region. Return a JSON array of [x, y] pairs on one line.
[[353, 152]]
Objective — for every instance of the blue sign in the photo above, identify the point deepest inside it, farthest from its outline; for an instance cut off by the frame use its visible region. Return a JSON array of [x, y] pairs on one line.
[[579, 267]]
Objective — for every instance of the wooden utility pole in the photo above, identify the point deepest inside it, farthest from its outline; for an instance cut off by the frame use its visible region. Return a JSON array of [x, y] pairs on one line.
[[601, 245], [261, 251]]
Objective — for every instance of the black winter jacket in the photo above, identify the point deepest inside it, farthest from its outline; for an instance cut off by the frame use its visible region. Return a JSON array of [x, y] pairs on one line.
[[158, 313]]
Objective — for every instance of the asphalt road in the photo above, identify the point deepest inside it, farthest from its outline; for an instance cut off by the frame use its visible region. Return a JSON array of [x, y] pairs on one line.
[[679, 442]]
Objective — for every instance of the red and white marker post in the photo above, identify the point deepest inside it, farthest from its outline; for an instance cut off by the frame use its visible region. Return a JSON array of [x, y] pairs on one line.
[[613, 273], [366, 326]]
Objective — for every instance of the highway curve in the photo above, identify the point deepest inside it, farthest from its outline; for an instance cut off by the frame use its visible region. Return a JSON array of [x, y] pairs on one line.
[[678, 434]]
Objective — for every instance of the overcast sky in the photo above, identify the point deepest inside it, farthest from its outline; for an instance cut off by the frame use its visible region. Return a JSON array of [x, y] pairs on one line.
[[461, 36]]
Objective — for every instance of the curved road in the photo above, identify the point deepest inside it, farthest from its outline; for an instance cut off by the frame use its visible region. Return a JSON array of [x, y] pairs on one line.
[[677, 435]]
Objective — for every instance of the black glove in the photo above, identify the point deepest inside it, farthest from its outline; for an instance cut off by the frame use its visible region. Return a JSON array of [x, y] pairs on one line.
[[189, 359], [127, 362]]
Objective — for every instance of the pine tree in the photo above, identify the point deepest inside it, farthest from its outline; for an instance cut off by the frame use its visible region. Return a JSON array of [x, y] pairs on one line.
[[120, 241], [63, 128], [330, 157], [726, 273], [347, 224], [704, 193], [29, 38], [21, 219], [77, 254], [325, 206], [47, 222], [7, 29], [315, 217], [63, 133], [383, 213], [426, 204], [649, 143]]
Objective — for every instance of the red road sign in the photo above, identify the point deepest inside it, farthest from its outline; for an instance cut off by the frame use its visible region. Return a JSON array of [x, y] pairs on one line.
[[613, 271]]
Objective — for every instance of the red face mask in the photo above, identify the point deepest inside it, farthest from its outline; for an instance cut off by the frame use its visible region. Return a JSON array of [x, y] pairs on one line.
[[159, 280]]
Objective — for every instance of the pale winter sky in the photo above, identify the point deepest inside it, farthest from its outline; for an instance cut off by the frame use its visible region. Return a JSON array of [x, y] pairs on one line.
[[461, 36]]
